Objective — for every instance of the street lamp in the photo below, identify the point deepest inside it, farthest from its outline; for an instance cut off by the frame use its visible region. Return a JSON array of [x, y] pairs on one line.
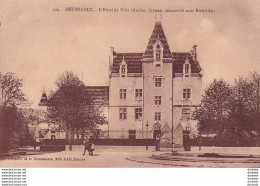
[[147, 125], [172, 140]]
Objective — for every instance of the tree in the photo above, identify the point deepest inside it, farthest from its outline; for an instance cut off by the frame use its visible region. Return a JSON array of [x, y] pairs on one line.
[[254, 79], [71, 105], [13, 124], [213, 115], [13, 129], [10, 90], [240, 121], [233, 113]]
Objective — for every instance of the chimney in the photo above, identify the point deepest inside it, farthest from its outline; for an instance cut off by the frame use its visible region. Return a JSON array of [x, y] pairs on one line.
[[112, 55], [194, 52], [111, 59]]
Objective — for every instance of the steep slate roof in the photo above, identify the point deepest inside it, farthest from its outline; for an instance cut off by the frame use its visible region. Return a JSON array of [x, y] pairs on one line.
[[133, 61], [157, 34], [180, 58], [43, 101], [100, 94]]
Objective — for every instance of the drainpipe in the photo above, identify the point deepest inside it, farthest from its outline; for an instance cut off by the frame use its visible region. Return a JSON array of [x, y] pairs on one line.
[[172, 109]]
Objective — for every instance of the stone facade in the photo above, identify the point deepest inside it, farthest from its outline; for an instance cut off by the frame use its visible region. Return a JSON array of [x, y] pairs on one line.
[[149, 93], [154, 91]]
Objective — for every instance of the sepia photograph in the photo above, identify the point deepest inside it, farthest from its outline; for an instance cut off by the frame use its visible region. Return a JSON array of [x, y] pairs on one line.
[[129, 84]]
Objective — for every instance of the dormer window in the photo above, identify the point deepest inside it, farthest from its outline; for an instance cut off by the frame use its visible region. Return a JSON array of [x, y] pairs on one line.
[[186, 68], [158, 53], [123, 68]]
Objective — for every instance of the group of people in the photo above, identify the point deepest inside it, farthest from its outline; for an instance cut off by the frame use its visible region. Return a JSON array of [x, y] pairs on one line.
[[89, 146]]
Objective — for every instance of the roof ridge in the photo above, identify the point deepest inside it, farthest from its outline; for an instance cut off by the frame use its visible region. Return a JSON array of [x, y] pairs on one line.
[[97, 86], [128, 52], [181, 52]]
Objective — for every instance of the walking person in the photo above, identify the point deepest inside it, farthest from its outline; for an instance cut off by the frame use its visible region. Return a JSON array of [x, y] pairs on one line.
[[86, 144], [91, 146]]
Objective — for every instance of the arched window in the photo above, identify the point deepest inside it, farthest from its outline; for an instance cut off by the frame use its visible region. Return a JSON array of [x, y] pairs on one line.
[[158, 53]]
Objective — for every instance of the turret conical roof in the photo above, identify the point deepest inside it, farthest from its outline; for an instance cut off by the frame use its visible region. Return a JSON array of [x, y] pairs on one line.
[[157, 34], [43, 101]]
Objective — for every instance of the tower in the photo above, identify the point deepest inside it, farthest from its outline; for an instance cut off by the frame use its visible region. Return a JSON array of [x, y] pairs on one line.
[[157, 80]]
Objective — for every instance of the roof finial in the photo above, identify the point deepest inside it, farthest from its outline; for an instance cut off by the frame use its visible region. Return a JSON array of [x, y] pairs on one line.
[[158, 18], [123, 57]]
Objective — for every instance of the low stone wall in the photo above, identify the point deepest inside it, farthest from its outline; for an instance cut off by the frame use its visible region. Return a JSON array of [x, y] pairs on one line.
[[126, 142], [15, 153], [53, 148]]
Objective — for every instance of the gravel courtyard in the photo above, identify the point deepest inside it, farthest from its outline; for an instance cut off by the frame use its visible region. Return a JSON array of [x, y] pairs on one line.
[[115, 156]]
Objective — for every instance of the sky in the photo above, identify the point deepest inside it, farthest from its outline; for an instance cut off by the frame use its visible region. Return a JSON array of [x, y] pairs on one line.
[[38, 44]]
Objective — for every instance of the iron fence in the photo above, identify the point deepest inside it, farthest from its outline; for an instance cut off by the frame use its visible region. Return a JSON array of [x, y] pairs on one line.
[[125, 134]]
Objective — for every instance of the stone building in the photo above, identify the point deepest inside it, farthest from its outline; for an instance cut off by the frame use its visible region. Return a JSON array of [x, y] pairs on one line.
[[45, 130], [149, 93], [153, 92]]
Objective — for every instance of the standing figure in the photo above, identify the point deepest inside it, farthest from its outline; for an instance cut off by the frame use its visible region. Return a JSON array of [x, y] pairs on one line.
[[157, 145]]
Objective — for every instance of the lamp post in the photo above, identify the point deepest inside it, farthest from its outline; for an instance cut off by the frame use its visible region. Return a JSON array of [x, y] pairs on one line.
[[172, 140], [147, 125], [199, 141]]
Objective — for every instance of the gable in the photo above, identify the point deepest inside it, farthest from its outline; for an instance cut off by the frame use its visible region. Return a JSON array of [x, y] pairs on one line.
[[179, 59], [133, 61]]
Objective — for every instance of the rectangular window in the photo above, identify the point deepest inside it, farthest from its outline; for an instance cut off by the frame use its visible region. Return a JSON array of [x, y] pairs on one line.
[[138, 94], [158, 55], [138, 113], [187, 66], [185, 114], [158, 82], [132, 134], [122, 113], [122, 93], [157, 116], [158, 100], [186, 93]]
